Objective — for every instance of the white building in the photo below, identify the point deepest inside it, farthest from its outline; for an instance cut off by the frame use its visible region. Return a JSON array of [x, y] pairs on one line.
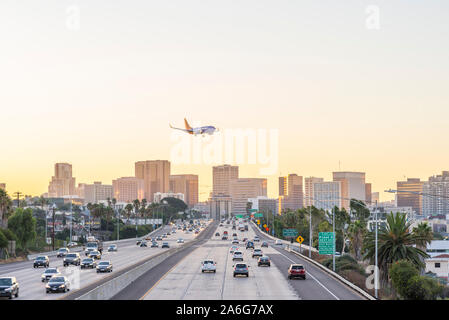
[[158, 196], [439, 265], [437, 247], [327, 195], [309, 191]]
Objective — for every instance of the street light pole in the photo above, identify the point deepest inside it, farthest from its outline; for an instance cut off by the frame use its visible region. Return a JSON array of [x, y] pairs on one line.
[[310, 230], [71, 220], [53, 233], [333, 231], [376, 281]]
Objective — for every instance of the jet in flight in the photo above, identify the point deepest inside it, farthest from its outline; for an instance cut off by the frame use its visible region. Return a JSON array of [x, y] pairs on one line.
[[198, 130]]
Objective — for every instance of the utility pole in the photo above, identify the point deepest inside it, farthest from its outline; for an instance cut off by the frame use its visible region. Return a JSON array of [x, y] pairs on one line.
[[18, 194], [333, 231], [310, 230], [53, 233], [376, 274]]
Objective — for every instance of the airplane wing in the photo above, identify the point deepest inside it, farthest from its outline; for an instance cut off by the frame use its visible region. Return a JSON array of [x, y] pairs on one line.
[[188, 131]]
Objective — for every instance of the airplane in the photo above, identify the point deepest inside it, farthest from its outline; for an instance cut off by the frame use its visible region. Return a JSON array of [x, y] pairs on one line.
[[198, 130]]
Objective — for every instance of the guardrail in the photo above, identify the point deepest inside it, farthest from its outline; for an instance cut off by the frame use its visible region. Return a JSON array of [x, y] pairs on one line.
[[110, 288], [322, 267], [80, 249]]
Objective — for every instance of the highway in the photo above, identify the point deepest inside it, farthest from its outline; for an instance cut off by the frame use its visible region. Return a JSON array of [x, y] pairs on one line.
[[182, 278], [128, 254]]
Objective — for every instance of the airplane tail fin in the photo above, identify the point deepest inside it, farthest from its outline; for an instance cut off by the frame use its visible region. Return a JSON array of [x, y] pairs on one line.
[[188, 127]]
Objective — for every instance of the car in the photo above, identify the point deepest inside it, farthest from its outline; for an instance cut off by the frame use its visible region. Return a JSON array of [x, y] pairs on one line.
[[238, 255], [245, 239], [164, 236], [256, 239], [278, 242], [197, 231], [257, 253], [264, 244], [233, 248], [220, 225], [154, 244], [62, 252], [235, 241], [138, 242], [159, 238], [95, 254], [104, 266], [88, 263], [233, 227], [168, 233], [112, 247], [249, 245], [209, 266], [296, 271], [224, 237], [217, 234], [143, 244], [241, 269], [72, 258], [72, 244], [9, 287], [48, 273], [58, 283], [165, 245], [263, 261], [180, 240], [234, 234], [41, 261]]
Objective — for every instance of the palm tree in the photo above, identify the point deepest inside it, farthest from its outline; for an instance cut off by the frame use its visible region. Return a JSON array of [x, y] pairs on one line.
[[128, 208], [5, 207], [136, 204], [425, 235], [143, 209], [395, 242], [357, 231]]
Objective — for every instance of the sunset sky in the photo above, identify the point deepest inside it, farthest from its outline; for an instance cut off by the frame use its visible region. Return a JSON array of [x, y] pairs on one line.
[[101, 97]]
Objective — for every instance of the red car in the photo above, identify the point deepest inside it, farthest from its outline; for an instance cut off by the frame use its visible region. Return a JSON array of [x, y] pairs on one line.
[[296, 271]]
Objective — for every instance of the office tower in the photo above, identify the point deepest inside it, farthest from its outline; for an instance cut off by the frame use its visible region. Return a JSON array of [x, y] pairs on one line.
[[186, 184], [283, 186], [408, 196], [128, 189], [155, 174], [375, 198], [327, 194], [221, 177], [264, 204], [368, 199], [62, 183], [436, 199], [291, 195], [93, 193], [220, 206], [79, 191], [3, 186], [352, 186], [244, 188], [308, 190], [158, 196]]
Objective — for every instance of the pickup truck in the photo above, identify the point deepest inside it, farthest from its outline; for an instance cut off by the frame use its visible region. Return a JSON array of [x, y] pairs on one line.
[[92, 245]]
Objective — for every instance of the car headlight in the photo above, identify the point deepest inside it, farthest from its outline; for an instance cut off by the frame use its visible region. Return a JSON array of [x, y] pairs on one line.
[[47, 286], [62, 286], [8, 289]]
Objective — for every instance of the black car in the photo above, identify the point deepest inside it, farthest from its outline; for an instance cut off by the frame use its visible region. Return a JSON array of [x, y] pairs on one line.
[[88, 263], [9, 287], [41, 261], [57, 284], [224, 238], [165, 245], [48, 273], [264, 261], [264, 244], [217, 234], [104, 266], [241, 269], [249, 245], [143, 244], [72, 258]]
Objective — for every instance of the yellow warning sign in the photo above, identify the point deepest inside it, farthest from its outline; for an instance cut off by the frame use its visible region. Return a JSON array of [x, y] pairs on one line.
[[299, 239]]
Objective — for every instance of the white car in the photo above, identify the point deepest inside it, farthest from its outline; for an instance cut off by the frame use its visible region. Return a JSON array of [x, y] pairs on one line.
[[238, 255], [278, 242], [180, 240], [209, 266]]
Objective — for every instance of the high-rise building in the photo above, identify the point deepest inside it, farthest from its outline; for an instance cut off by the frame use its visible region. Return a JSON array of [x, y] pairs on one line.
[[408, 196], [62, 183], [220, 206], [368, 192], [221, 177], [436, 201], [327, 194], [96, 192], [308, 190], [155, 174], [375, 197], [79, 191], [158, 196], [186, 184], [291, 192], [244, 188], [264, 204], [128, 189], [352, 186], [3, 186], [283, 186]]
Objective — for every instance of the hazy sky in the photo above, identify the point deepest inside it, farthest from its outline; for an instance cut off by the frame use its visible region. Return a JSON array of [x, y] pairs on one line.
[[101, 96]]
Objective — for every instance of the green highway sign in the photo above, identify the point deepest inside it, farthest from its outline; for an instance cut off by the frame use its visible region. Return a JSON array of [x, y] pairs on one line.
[[252, 210], [239, 216], [289, 232], [326, 243], [258, 215]]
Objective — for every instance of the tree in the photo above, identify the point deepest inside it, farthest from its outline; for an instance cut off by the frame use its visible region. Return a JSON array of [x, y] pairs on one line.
[[128, 208], [359, 209], [5, 208], [357, 231], [424, 235], [395, 242], [3, 240], [23, 225], [400, 273]]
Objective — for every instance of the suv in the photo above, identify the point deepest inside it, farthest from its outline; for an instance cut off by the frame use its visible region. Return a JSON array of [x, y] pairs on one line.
[[296, 271], [264, 244], [41, 261], [249, 244], [62, 252], [217, 234], [208, 265], [238, 255], [165, 245], [72, 258], [9, 287], [263, 261], [241, 269], [257, 253]]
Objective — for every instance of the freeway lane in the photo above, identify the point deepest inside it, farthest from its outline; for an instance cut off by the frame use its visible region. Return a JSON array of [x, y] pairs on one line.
[[187, 282], [31, 288], [319, 285]]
